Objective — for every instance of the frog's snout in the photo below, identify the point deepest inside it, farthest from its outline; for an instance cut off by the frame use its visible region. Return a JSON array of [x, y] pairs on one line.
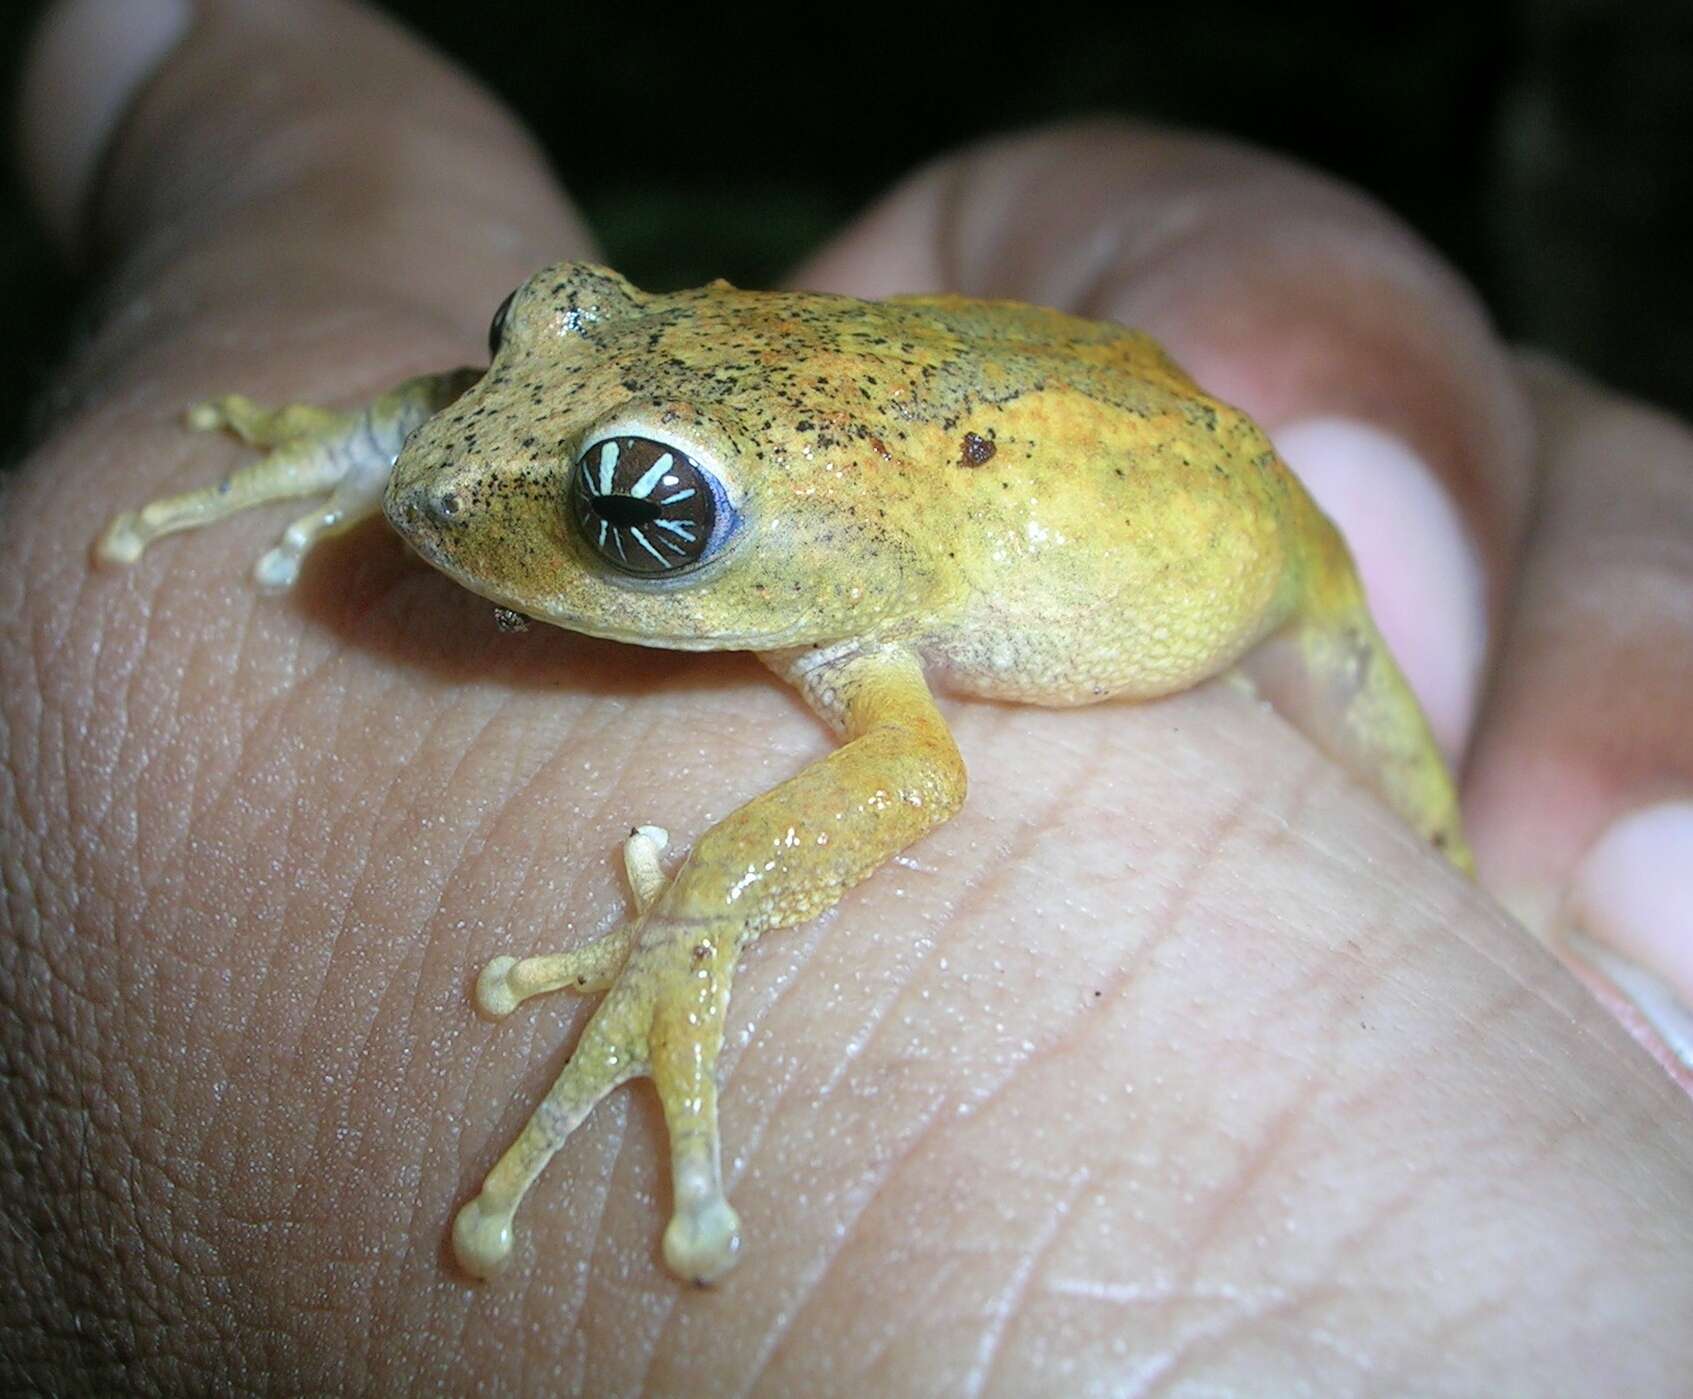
[[425, 516]]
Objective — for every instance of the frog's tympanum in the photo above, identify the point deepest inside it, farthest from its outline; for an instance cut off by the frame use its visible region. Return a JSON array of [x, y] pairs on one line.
[[1024, 505]]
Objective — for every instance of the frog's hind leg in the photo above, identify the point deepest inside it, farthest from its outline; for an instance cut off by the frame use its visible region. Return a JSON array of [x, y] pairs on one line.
[[311, 451], [1329, 671]]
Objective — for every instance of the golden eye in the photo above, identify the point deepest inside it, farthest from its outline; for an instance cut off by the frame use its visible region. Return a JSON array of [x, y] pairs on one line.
[[645, 507]]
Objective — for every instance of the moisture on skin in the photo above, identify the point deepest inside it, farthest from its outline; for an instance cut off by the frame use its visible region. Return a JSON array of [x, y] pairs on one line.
[[1016, 502]]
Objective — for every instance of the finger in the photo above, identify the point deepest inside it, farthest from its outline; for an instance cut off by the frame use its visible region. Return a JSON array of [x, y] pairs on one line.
[[1582, 791], [279, 160], [1305, 304], [88, 59]]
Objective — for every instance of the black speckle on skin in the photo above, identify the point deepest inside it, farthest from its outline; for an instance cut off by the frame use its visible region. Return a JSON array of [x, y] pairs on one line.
[[1202, 414], [977, 451]]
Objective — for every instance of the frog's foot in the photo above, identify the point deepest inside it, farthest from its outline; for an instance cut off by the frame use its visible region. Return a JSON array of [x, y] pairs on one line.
[[507, 982], [663, 1015], [310, 451]]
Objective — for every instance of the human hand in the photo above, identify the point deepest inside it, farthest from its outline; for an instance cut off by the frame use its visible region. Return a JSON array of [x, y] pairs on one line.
[[1171, 1057]]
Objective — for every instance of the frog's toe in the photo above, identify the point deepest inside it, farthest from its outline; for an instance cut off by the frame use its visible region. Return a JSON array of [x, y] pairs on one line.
[[640, 861], [482, 1237], [702, 1242], [205, 417], [302, 467], [278, 568], [667, 991], [506, 982], [611, 1052], [121, 542], [496, 997]]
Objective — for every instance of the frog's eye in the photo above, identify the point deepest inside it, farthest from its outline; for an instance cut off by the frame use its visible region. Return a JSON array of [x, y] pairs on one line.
[[497, 326], [647, 507]]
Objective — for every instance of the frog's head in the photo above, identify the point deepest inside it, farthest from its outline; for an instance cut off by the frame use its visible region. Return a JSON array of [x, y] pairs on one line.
[[640, 467]]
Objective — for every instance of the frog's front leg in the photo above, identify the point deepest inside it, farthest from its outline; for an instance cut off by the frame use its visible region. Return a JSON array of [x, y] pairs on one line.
[[777, 861], [312, 451]]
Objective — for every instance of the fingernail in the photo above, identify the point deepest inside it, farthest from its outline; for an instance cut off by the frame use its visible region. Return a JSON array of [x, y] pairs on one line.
[[1667, 1029], [1633, 892], [87, 61], [1419, 568]]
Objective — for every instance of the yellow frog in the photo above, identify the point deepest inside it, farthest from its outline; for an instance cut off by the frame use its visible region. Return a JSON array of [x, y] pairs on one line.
[[1026, 505]]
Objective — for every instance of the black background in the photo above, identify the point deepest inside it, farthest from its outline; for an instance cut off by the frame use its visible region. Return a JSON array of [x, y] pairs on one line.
[[1546, 147]]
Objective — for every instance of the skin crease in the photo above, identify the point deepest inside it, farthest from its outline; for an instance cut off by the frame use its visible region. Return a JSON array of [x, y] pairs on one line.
[[1332, 1120]]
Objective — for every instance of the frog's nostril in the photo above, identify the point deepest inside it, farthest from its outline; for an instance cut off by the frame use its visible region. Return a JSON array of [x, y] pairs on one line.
[[442, 508]]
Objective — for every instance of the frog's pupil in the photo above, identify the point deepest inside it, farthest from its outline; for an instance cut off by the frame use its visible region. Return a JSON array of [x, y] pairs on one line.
[[625, 509]]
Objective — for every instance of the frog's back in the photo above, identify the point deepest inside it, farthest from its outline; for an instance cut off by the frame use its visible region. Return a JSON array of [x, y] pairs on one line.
[[1048, 506], [1113, 362], [1115, 530]]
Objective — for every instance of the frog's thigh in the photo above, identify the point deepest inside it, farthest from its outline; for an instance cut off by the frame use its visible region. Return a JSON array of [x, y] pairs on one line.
[[1330, 673], [779, 860]]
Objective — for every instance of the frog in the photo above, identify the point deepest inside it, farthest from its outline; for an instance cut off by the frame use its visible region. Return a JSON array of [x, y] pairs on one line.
[[1015, 503]]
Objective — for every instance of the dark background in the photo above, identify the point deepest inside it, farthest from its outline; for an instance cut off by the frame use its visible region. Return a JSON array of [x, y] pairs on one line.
[[1546, 146]]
